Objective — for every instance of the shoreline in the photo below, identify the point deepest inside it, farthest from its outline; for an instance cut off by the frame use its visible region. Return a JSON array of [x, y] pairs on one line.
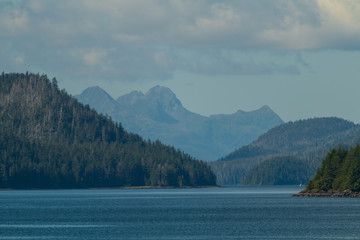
[[329, 193], [111, 188]]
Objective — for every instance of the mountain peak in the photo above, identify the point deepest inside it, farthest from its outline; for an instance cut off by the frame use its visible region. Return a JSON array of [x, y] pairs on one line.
[[265, 108], [98, 98], [94, 90], [163, 96], [94, 93], [160, 90], [130, 98]]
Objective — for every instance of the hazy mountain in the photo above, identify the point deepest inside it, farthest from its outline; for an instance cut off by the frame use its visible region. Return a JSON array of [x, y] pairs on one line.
[[100, 98], [307, 140], [50, 140], [159, 114]]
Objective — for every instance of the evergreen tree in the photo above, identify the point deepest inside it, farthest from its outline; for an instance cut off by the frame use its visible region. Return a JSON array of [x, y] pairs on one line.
[[340, 170]]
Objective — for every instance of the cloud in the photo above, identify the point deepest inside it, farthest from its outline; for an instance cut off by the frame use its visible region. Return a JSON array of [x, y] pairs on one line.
[[14, 22], [337, 28], [150, 39], [19, 59], [226, 62], [94, 57]]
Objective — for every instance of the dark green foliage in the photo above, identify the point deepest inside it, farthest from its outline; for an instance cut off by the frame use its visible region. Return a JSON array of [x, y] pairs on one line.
[[49, 140], [309, 140], [295, 137], [279, 171], [340, 170]]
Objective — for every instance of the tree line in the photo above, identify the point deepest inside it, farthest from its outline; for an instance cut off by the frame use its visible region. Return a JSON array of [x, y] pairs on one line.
[[340, 171], [306, 140], [49, 140]]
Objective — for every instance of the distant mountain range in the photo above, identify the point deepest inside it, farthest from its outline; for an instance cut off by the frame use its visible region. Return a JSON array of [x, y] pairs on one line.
[[293, 148], [159, 114]]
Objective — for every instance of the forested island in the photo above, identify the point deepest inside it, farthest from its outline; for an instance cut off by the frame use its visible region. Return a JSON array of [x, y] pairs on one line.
[[338, 176], [49, 140]]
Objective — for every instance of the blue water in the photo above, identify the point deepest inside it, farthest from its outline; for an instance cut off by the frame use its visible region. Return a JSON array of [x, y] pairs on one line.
[[217, 213]]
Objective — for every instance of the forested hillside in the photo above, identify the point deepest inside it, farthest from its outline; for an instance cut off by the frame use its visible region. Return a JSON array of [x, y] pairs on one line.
[[279, 171], [49, 140], [308, 140]]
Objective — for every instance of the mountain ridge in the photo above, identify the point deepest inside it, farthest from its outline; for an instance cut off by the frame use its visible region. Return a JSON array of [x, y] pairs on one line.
[[159, 114], [307, 140]]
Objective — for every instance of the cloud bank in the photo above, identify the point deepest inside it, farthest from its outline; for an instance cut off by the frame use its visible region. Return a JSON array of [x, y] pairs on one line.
[[151, 39]]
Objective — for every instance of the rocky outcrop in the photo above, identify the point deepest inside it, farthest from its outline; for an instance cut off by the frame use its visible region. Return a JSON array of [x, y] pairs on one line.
[[329, 193]]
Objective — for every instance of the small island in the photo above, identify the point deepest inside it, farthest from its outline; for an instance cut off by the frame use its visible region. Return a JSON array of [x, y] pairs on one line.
[[338, 176]]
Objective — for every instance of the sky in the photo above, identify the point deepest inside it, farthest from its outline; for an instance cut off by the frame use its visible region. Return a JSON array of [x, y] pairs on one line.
[[301, 58]]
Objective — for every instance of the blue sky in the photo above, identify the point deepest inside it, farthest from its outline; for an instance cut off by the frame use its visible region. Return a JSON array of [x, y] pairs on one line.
[[301, 58]]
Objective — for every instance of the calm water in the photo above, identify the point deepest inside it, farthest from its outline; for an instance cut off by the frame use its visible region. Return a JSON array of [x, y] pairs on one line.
[[223, 213]]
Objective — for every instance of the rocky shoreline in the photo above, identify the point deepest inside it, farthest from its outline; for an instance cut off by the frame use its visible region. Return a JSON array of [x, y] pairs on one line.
[[329, 193]]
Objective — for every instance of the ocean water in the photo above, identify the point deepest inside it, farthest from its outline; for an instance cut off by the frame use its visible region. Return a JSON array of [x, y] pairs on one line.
[[212, 213]]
